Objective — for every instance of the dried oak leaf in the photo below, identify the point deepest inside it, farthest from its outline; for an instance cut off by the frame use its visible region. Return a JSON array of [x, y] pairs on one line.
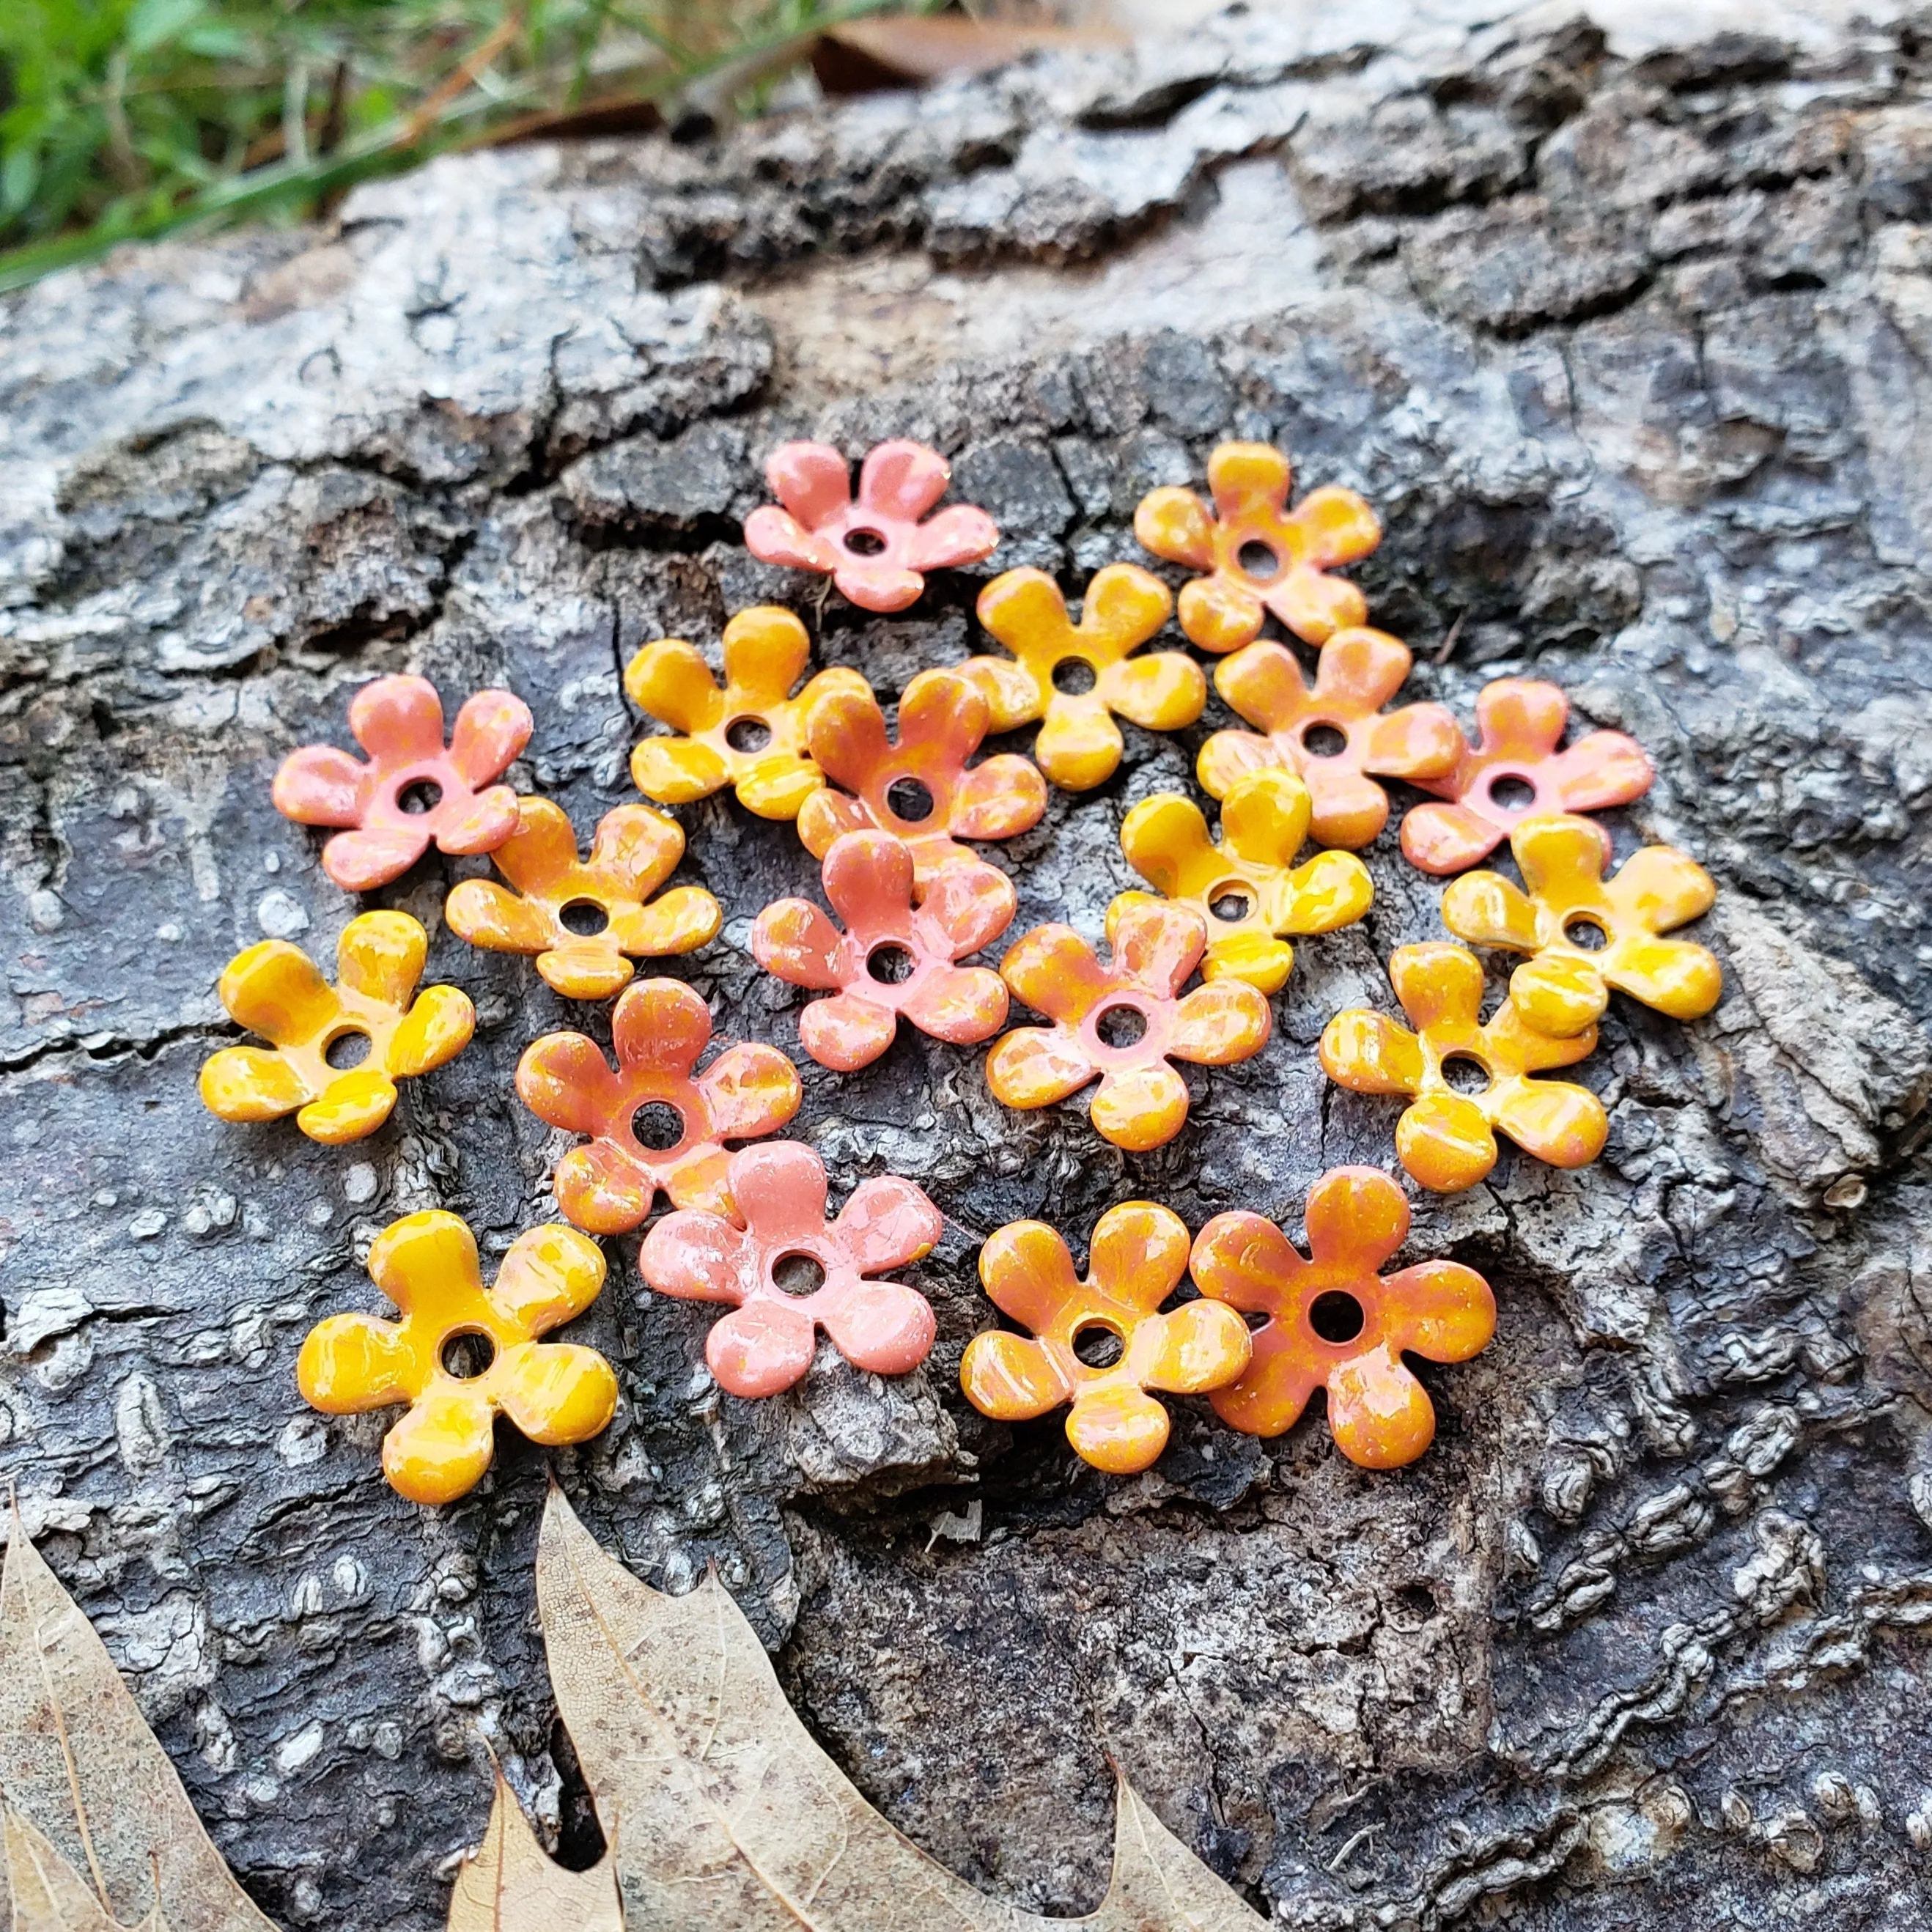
[[510, 1884], [728, 1818], [48, 1895]]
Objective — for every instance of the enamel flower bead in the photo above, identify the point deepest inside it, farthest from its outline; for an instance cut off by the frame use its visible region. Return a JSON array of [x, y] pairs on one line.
[[1515, 772], [1139, 1256], [921, 789], [1246, 886], [766, 1343], [586, 919], [878, 549], [1257, 555], [1073, 679], [894, 959], [413, 788], [274, 989], [1446, 1139], [1336, 736], [652, 1123], [1336, 1322], [749, 734], [1588, 933], [553, 1392], [1122, 1023]]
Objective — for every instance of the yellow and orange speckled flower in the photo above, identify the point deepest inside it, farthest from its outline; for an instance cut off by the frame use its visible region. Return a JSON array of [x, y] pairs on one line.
[[554, 1392], [1337, 1322], [586, 919], [1588, 933], [274, 989], [1122, 1022], [1246, 885], [1446, 1139], [751, 734], [1139, 1256], [1073, 679], [1259, 555]]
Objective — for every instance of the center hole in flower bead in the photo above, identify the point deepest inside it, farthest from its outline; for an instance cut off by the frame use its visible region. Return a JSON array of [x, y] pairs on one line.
[[1120, 1027], [657, 1126], [1074, 677], [1230, 902], [1323, 741], [1259, 559], [747, 734], [1511, 794], [420, 795], [1466, 1074], [584, 917], [891, 964], [1336, 1316], [347, 1050], [864, 543], [909, 799], [1587, 935], [797, 1274], [467, 1355], [1096, 1345]]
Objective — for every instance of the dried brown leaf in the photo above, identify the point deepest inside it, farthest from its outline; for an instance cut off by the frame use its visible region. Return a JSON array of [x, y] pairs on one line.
[[728, 1818], [512, 1885], [49, 1894], [78, 1764], [905, 48]]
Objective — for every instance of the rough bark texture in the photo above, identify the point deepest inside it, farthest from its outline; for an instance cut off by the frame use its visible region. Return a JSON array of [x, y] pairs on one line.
[[1632, 358]]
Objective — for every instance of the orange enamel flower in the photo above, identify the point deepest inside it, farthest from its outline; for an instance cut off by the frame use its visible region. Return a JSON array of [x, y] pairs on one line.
[[1515, 772], [1447, 1138], [751, 734], [1246, 886], [1123, 1022], [1337, 736], [586, 919], [275, 990], [653, 1123], [921, 789], [554, 1392], [1074, 677], [1588, 933], [1259, 555], [894, 960], [1139, 1256], [1336, 1322]]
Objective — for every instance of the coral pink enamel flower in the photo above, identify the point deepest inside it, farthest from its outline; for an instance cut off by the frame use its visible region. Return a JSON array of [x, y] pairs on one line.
[[894, 959], [878, 549], [413, 787], [766, 1343], [652, 1123]]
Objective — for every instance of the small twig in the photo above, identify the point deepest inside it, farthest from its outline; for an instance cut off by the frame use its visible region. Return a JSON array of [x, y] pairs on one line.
[[1448, 643], [295, 111], [462, 80]]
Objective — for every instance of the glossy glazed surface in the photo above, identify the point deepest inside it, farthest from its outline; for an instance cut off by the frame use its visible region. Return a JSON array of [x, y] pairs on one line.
[[1250, 524], [554, 1392], [1446, 1139], [386, 799], [1335, 736], [876, 548], [1079, 745], [1141, 1101], [633, 850], [766, 1344], [1139, 1256], [1245, 885], [1565, 986], [659, 1028], [749, 732], [274, 989], [1379, 1414], [867, 876]]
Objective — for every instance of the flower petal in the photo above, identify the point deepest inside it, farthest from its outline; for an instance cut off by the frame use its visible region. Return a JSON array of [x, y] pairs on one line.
[[1356, 1217], [1443, 838], [1368, 1053], [1379, 1414], [812, 480], [248, 1083], [550, 1276], [793, 939], [1268, 1398], [1028, 1274], [1013, 694], [867, 876], [1667, 888], [826, 817], [440, 1450], [634, 848], [350, 1107], [320, 784], [1204, 1345], [1673, 976], [1447, 1312], [685, 918], [351, 1364], [777, 786], [555, 1392], [1604, 768], [489, 915], [1260, 959], [1120, 1429], [426, 1264], [1347, 809], [998, 799], [1219, 1024], [438, 1027], [1219, 614], [274, 989], [1162, 691], [702, 1179], [1563, 1124], [971, 905], [1559, 993], [1520, 718], [1335, 526], [602, 1188], [1079, 745], [1229, 756], [1313, 605], [752, 1090], [1444, 1140], [1138, 1108], [359, 861], [882, 1326], [1155, 945], [397, 720], [773, 536], [1333, 889], [675, 771], [1011, 1379], [699, 1257], [779, 1192], [887, 1222], [901, 478], [1055, 972], [959, 534], [660, 1023], [876, 584], [1138, 1254], [1438, 985], [847, 734], [564, 1079], [1265, 684], [961, 1004], [670, 681], [586, 969], [766, 649], [1487, 910], [1034, 1066], [489, 820], [1264, 819], [1174, 524], [491, 730], [380, 956], [760, 1348], [1247, 479]]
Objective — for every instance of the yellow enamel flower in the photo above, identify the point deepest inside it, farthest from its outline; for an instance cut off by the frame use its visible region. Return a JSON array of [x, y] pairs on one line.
[[1246, 886], [750, 734], [274, 989], [1076, 677]]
